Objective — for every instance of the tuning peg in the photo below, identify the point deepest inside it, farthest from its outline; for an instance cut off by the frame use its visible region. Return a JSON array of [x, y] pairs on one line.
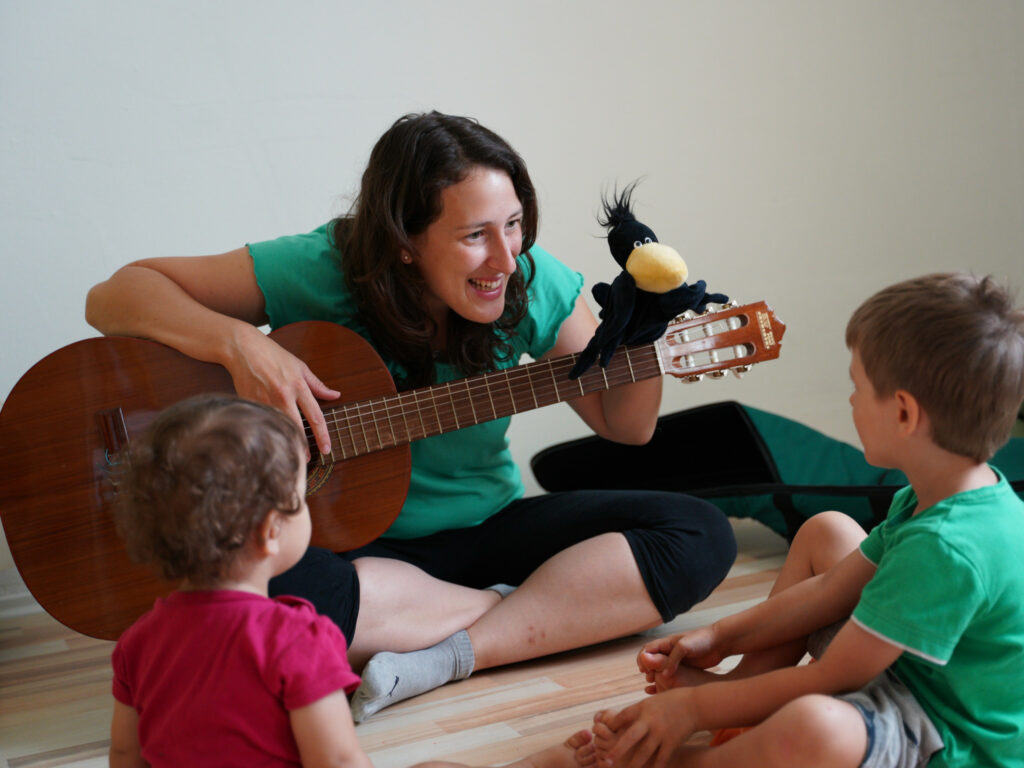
[[691, 379], [739, 371], [716, 374]]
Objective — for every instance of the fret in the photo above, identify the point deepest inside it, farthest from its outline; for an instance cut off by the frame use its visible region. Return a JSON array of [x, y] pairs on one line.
[[337, 431], [455, 411], [362, 426], [629, 362], [362, 422], [490, 395], [529, 380], [419, 412], [376, 425], [580, 379], [551, 370], [512, 396], [387, 418], [437, 413], [351, 434], [469, 397], [405, 420], [604, 374]]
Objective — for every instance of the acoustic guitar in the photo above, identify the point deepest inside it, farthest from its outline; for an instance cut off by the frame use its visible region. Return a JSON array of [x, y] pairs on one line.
[[66, 425]]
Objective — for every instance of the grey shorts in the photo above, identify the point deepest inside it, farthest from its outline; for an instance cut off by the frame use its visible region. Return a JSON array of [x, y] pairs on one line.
[[900, 734]]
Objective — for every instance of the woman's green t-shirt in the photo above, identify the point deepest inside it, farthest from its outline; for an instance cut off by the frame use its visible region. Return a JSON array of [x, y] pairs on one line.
[[459, 478]]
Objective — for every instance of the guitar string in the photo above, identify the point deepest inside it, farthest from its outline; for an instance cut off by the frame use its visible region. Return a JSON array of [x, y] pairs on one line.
[[518, 377]]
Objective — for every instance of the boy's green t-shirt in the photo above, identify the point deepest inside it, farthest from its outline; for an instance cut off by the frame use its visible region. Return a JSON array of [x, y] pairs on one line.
[[459, 478], [949, 589]]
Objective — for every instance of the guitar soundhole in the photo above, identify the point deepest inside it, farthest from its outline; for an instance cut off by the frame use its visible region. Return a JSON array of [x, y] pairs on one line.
[[318, 471]]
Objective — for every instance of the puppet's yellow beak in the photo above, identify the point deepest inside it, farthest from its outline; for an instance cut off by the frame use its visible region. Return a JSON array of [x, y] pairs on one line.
[[657, 268]]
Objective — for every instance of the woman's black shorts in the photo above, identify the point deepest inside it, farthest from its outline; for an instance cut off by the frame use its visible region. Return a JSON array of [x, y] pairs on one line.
[[683, 546]]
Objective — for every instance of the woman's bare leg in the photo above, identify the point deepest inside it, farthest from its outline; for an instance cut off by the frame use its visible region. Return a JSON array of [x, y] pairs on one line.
[[585, 594], [402, 608]]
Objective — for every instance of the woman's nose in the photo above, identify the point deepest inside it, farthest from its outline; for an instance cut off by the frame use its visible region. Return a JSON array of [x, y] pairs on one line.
[[504, 253]]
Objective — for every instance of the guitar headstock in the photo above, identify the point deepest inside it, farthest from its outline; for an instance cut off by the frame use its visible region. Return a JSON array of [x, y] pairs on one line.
[[725, 338]]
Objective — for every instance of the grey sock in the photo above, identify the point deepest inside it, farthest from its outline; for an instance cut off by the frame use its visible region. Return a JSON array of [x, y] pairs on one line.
[[392, 677], [502, 589]]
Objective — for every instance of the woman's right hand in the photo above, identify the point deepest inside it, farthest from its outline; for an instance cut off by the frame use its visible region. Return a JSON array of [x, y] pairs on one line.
[[209, 307], [265, 371]]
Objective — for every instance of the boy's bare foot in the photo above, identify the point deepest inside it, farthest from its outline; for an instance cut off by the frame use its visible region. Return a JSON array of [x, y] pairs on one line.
[[575, 752], [684, 677], [604, 737]]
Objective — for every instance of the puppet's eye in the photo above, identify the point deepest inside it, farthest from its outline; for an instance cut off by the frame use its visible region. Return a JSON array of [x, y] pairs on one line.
[[637, 243], [648, 240]]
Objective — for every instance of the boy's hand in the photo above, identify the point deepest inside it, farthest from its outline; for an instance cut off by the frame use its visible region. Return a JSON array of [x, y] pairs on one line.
[[644, 735], [659, 660]]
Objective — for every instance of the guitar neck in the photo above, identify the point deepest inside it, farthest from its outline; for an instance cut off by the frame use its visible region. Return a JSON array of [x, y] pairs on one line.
[[385, 422]]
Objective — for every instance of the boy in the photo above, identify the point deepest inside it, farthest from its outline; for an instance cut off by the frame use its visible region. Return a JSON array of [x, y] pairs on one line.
[[930, 667]]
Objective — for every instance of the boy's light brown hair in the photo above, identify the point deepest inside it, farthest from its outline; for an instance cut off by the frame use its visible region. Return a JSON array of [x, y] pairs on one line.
[[201, 480], [956, 343]]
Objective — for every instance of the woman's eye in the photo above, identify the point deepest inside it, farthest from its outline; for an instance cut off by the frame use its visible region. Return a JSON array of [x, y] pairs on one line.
[[475, 235], [514, 224]]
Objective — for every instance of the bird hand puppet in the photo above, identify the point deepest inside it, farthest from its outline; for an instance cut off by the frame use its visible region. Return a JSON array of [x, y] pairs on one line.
[[650, 291]]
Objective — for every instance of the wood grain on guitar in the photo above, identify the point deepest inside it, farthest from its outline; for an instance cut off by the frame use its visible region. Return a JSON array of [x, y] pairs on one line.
[[65, 426]]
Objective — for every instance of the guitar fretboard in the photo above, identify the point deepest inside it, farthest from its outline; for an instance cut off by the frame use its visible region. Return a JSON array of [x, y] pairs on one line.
[[384, 422]]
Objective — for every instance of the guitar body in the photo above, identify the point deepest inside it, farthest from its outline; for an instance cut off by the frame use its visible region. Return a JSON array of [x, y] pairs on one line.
[[57, 488]]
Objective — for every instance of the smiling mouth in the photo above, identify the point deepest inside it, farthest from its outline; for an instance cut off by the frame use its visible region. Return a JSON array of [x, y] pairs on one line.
[[485, 285]]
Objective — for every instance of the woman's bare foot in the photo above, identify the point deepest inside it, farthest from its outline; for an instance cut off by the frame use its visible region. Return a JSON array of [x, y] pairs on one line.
[[575, 752]]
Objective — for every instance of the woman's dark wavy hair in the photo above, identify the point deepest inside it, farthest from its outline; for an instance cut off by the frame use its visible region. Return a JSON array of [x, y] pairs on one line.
[[411, 164], [202, 479]]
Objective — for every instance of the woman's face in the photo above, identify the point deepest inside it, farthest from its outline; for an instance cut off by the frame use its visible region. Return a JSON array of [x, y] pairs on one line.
[[468, 253]]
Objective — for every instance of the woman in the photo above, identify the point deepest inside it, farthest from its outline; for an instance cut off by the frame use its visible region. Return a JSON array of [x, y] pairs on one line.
[[436, 266]]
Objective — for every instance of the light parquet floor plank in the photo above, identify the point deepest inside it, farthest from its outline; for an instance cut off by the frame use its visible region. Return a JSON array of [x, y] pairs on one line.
[[55, 700]]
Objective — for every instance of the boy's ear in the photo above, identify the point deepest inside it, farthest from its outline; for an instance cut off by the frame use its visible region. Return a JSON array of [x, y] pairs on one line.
[[268, 535], [911, 417]]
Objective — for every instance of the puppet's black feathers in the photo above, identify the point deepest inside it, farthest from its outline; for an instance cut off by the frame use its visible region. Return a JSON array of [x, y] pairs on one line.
[[619, 209]]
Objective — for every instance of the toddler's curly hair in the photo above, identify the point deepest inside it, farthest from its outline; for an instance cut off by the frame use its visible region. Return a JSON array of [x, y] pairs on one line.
[[202, 479]]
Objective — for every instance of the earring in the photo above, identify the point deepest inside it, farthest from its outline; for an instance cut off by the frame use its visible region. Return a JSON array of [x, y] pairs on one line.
[[407, 258]]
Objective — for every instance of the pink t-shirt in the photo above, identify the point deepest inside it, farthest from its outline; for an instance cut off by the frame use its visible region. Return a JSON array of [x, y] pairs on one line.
[[213, 675]]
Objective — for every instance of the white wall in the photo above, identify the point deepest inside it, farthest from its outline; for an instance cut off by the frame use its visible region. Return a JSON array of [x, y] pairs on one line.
[[803, 152]]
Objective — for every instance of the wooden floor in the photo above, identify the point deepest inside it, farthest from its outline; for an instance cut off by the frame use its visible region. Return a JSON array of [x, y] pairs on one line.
[[55, 685]]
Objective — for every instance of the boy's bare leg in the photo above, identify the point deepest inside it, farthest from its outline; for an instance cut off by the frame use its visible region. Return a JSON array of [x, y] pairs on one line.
[[575, 752], [809, 732], [821, 542]]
